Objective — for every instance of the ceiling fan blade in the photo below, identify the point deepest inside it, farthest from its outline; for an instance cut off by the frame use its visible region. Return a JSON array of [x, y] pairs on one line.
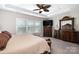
[[40, 6], [36, 9], [47, 6], [46, 10]]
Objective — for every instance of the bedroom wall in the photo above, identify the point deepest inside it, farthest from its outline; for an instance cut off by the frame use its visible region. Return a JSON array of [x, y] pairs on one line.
[[8, 20], [72, 13]]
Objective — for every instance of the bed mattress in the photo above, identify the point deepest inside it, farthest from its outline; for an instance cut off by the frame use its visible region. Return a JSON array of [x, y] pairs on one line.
[[26, 44]]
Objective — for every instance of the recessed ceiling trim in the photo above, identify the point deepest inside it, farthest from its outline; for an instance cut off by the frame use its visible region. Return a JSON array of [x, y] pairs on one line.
[[21, 10]]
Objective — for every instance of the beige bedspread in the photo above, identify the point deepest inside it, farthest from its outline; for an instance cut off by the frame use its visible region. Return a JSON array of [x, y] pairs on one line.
[[27, 44]]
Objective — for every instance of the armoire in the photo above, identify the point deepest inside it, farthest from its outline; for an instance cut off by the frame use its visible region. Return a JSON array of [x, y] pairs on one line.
[[47, 28]]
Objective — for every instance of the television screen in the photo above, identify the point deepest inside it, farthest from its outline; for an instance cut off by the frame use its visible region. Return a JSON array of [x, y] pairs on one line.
[[47, 22]]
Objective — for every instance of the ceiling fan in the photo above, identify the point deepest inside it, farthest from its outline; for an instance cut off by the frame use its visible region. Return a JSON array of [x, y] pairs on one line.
[[42, 7]]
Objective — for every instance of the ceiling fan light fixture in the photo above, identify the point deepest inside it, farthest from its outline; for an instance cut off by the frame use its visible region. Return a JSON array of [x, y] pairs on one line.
[[43, 7], [40, 11]]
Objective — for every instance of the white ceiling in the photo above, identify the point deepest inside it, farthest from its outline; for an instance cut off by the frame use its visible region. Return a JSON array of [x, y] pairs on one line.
[[28, 9]]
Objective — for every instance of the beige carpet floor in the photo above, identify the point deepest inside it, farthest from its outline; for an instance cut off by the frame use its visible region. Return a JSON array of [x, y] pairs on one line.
[[63, 47]]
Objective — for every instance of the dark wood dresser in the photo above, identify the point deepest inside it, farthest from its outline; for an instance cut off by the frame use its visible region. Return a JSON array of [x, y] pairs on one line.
[[66, 30], [76, 37], [57, 34], [70, 36], [67, 35]]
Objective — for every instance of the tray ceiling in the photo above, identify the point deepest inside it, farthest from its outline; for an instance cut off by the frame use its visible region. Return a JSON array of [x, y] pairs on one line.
[[54, 9]]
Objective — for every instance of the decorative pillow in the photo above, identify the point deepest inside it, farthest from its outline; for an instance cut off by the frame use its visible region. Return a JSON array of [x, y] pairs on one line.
[[8, 33], [3, 40]]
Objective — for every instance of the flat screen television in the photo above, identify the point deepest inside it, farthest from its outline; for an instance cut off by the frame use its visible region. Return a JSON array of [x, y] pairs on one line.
[[48, 22]]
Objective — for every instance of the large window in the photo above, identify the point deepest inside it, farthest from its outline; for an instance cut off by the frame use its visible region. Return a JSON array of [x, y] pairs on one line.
[[28, 26]]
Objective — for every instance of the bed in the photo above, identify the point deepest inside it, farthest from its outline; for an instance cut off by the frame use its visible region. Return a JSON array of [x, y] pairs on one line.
[[26, 44]]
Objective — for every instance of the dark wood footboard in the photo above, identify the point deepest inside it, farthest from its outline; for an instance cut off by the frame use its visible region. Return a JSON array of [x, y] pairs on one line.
[[49, 43], [46, 52]]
